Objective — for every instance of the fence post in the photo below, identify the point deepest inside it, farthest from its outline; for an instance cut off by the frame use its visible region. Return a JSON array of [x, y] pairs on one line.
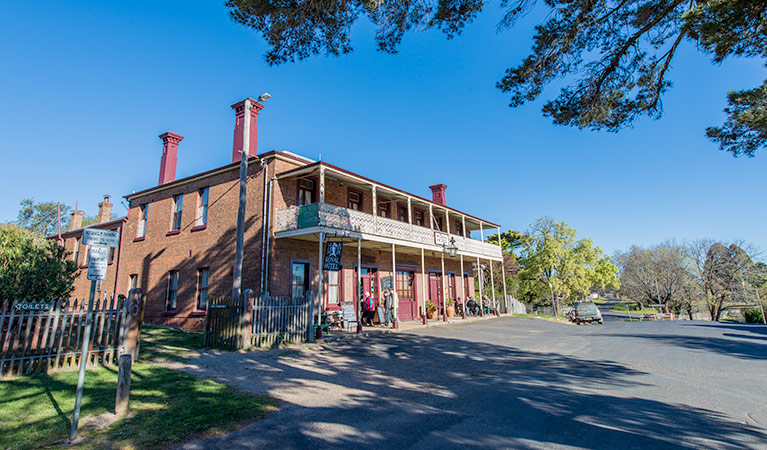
[[135, 312], [123, 385]]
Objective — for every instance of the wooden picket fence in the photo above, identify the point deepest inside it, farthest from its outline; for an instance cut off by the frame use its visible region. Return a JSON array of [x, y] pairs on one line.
[[278, 320], [50, 339], [261, 321]]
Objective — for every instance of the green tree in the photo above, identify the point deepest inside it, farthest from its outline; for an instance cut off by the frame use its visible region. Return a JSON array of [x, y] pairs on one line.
[[33, 268], [555, 263], [655, 275], [42, 218], [723, 274], [613, 54]]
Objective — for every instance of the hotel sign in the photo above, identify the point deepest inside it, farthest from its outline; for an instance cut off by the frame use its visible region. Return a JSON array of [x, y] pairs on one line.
[[332, 259], [441, 239]]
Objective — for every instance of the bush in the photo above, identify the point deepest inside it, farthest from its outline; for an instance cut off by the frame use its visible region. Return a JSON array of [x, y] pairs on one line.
[[753, 315]]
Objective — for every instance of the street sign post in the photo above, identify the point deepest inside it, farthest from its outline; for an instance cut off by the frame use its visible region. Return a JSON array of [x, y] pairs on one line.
[[106, 238], [97, 262]]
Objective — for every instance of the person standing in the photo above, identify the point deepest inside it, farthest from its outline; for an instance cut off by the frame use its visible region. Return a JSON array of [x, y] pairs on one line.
[[367, 314], [388, 307], [395, 308]]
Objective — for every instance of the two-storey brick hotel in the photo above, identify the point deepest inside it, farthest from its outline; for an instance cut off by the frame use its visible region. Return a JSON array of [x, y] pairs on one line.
[[178, 241]]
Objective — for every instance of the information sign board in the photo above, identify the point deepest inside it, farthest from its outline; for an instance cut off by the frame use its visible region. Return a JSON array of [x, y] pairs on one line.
[[441, 238], [107, 238], [97, 262], [349, 315], [308, 216]]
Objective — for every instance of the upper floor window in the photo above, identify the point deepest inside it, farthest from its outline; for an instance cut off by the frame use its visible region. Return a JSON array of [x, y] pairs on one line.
[[142, 214], [170, 302], [383, 208], [402, 213], [202, 288], [306, 191], [112, 251], [438, 223], [76, 257], [202, 207], [459, 227], [178, 206], [418, 218], [354, 201]]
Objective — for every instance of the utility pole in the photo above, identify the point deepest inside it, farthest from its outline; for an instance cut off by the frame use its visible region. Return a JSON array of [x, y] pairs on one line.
[[240, 232]]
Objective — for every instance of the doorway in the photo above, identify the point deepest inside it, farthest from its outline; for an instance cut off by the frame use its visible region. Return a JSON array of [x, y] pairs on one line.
[[435, 289]]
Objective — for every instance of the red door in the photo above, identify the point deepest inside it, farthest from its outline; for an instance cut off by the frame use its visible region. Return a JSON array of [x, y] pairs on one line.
[[369, 284], [405, 285], [435, 289]]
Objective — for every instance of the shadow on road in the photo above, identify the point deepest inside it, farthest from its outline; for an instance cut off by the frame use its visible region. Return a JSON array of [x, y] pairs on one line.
[[409, 391]]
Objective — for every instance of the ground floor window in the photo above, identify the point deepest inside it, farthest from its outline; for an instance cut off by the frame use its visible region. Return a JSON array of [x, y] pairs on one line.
[[170, 303], [333, 284], [299, 278], [467, 290], [405, 285], [202, 288], [132, 281], [451, 287]]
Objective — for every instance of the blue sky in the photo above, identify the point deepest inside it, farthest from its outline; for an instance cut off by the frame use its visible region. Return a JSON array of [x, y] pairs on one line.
[[87, 87]]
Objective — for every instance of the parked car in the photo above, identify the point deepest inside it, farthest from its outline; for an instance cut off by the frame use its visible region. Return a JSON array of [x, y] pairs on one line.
[[586, 312], [570, 315]]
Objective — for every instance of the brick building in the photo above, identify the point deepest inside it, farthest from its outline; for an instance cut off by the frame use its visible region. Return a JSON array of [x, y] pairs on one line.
[[178, 240]]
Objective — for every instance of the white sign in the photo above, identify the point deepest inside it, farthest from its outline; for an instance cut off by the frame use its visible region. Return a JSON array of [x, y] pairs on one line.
[[97, 262], [441, 238], [107, 238]]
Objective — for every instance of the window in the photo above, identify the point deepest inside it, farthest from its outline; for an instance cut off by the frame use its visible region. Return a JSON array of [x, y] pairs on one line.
[[333, 284], [438, 223], [402, 213], [142, 220], [178, 205], [299, 279], [76, 257], [202, 288], [132, 281], [405, 285], [306, 188], [112, 254], [466, 288], [459, 227], [202, 207], [451, 292], [170, 303], [418, 218], [354, 201], [383, 208]]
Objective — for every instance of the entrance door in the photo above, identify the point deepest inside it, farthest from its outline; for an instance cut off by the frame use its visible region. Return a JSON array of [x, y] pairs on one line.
[[369, 283], [435, 289], [405, 285]]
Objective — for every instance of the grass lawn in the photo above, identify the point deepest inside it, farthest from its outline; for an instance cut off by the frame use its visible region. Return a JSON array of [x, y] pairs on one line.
[[166, 406], [599, 301]]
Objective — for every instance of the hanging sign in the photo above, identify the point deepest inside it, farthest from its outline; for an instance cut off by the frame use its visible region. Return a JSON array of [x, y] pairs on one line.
[[308, 216], [332, 260], [442, 239], [107, 238], [97, 262]]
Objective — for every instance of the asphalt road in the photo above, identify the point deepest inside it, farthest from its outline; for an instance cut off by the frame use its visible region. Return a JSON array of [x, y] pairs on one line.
[[511, 383]]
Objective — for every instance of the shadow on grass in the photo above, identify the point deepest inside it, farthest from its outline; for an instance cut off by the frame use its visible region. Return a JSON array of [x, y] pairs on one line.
[[411, 391]]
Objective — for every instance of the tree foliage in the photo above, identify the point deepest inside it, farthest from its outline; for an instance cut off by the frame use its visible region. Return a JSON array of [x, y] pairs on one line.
[[33, 268], [615, 55], [42, 218], [554, 262], [655, 275]]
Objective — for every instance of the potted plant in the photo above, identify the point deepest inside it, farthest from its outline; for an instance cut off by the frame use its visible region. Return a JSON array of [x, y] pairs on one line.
[[450, 310], [431, 310]]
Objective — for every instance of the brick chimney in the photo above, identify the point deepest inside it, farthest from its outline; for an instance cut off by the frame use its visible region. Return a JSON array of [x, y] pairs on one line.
[[438, 193], [239, 127], [77, 219], [170, 142], [105, 210]]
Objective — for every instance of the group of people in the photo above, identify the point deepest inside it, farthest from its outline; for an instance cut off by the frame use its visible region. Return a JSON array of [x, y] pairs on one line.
[[389, 305]]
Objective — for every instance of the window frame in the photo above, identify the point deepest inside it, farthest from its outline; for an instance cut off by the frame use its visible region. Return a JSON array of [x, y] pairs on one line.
[[299, 190], [416, 213], [203, 197], [200, 288], [76, 253], [170, 290], [360, 203], [132, 281], [326, 281], [308, 282], [402, 207], [177, 212], [411, 279], [143, 214], [384, 205]]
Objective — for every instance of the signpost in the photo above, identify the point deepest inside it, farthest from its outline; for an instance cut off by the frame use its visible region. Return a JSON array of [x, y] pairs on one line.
[[99, 241]]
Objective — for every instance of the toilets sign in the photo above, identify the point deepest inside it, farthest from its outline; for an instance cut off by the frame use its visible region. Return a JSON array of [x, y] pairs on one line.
[[98, 253]]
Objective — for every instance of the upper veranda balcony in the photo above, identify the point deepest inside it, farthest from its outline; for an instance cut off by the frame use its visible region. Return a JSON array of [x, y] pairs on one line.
[[321, 197]]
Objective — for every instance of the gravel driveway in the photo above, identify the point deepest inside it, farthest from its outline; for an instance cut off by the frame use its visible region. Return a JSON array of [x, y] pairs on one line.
[[509, 383]]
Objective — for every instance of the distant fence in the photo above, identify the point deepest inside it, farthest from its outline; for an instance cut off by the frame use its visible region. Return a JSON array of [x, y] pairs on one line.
[[260, 321], [41, 337], [515, 306]]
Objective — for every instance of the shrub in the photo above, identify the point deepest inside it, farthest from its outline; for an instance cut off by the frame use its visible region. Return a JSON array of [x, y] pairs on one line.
[[753, 315]]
